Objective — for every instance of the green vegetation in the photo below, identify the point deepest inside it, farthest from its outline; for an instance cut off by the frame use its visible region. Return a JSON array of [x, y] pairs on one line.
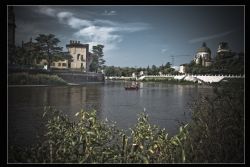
[[34, 79], [214, 135], [127, 71], [46, 47], [98, 61], [217, 126]]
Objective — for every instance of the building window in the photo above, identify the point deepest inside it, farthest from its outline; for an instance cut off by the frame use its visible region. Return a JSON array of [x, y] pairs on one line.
[[78, 56], [53, 64], [82, 58], [59, 64], [64, 64]]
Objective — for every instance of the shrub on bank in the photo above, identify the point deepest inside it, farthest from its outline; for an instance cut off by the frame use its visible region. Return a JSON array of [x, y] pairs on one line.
[[34, 79], [215, 135]]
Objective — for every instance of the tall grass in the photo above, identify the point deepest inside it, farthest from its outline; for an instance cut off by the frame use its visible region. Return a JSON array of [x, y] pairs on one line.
[[34, 79]]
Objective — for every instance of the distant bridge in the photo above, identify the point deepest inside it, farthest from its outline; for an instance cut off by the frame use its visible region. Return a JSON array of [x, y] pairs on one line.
[[186, 77], [199, 78], [120, 78]]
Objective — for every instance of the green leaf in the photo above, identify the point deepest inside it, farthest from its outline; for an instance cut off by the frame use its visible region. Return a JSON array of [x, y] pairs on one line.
[[174, 142], [44, 113], [181, 129], [183, 156], [90, 133], [145, 160]]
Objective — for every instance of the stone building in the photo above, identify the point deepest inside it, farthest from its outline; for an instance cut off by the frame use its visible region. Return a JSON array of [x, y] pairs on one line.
[[183, 68], [82, 58], [203, 56]]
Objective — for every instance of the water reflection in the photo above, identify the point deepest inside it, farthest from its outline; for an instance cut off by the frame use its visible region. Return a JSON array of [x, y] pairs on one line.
[[164, 103]]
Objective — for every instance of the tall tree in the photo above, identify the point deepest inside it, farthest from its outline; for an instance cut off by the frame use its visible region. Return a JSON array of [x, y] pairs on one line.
[[47, 46], [98, 61], [25, 55]]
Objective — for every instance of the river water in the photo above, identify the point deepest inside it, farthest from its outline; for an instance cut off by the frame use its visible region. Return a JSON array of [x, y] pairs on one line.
[[166, 104]]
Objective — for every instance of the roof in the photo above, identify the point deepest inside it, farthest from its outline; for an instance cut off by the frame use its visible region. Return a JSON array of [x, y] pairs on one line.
[[77, 45], [183, 64], [204, 48]]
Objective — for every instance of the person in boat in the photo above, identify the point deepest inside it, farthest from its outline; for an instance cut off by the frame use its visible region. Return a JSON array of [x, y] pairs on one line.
[[135, 85]]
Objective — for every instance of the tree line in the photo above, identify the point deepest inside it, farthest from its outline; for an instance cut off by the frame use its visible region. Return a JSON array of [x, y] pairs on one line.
[[128, 71]]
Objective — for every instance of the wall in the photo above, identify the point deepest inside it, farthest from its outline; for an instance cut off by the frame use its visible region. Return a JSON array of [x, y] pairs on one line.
[[182, 69], [60, 64], [82, 52]]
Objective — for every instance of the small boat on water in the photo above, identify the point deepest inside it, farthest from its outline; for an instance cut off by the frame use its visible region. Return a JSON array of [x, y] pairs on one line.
[[133, 87]]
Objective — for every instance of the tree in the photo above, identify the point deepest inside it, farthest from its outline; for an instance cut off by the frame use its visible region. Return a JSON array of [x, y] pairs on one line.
[[168, 65], [19, 57], [154, 70], [25, 55], [47, 46], [98, 61]]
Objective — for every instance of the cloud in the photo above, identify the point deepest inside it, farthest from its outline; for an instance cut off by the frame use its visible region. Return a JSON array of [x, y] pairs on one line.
[[69, 19], [202, 39], [99, 35], [182, 55], [164, 50], [47, 11], [132, 27], [109, 13], [105, 32]]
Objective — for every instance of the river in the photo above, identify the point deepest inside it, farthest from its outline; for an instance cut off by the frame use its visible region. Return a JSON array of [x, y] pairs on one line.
[[166, 104]]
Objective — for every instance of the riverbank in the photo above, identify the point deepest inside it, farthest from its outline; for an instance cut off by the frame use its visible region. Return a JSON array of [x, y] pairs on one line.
[[24, 78]]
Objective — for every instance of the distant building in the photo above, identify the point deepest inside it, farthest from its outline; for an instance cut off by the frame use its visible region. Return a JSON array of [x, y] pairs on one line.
[[82, 58], [223, 50], [183, 68], [203, 56], [141, 73]]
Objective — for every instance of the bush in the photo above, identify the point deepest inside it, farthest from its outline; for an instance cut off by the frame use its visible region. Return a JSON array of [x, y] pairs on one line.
[[217, 133], [92, 141], [34, 79]]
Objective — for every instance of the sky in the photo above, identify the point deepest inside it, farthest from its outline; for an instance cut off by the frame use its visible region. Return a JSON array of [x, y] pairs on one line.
[[136, 36]]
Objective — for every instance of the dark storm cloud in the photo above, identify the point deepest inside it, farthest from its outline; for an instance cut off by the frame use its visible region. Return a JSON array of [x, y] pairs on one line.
[[30, 23]]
